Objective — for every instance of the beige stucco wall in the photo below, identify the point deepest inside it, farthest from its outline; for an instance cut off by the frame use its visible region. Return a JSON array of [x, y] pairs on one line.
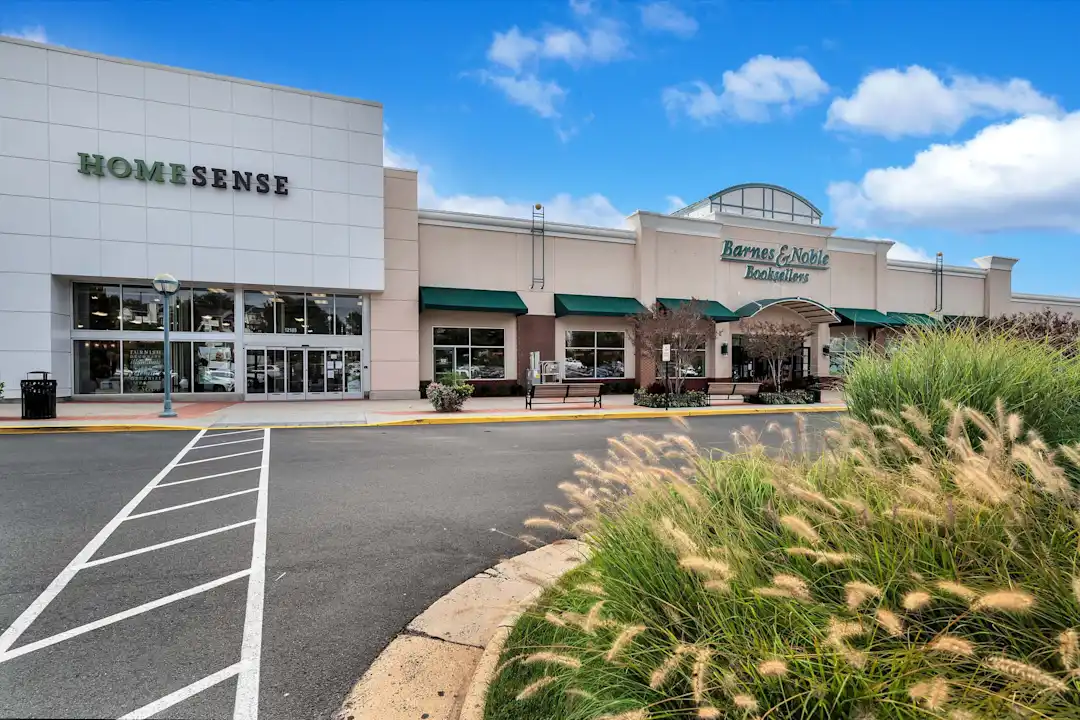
[[395, 352], [447, 318], [1036, 304]]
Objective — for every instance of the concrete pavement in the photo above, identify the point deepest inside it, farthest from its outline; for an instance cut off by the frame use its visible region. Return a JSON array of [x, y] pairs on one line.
[[365, 529], [113, 416]]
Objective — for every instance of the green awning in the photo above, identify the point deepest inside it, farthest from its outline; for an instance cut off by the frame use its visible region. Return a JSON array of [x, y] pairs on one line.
[[709, 308], [913, 319], [810, 310], [860, 316], [596, 305], [499, 301]]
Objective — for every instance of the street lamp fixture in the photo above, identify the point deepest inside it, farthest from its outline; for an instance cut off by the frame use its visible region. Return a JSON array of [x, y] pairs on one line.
[[167, 285]]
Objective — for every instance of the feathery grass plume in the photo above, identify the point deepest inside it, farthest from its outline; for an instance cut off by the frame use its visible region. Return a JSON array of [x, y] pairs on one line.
[[960, 714], [857, 592], [591, 589], [1076, 588], [918, 495], [537, 522], [546, 656], [554, 619], [700, 673], [708, 712], [931, 694], [813, 498], [1069, 649], [793, 584], [822, 557], [800, 527], [720, 586], [535, 687], [1025, 673], [956, 589], [915, 600], [745, 702], [843, 629], [773, 668], [639, 714], [918, 420], [675, 537], [1047, 474], [622, 640], [916, 514], [660, 675], [951, 645], [706, 566], [505, 664], [579, 693], [890, 621], [1009, 600], [593, 619]]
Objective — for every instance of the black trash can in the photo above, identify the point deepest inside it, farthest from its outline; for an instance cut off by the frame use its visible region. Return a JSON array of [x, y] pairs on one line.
[[38, 396]]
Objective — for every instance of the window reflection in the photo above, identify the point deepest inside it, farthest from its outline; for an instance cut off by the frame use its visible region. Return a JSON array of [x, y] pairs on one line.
[[259, 311], [97, 366], [141, 310], [290, 314], [320, 314], [213, 309], [214, 367], [349, 310], [476, 353], [97, 307], [591, 354]]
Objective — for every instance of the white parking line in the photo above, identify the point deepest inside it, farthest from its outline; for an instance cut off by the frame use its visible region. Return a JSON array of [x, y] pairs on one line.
[[147, 711], [60, 581], [232, 432], [220, 457], [230, 442], [168, 543], [82, 629], [192, 503], [246, 704], [208, 477]]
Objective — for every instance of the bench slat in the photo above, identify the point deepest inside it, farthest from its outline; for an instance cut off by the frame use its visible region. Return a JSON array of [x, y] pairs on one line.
[[583, 390], [544, 391]]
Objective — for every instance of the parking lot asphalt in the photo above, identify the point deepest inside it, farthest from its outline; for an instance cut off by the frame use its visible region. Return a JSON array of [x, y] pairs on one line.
[[162, 600]]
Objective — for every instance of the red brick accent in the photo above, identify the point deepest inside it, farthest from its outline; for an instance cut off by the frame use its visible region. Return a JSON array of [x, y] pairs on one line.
[[534, 332]]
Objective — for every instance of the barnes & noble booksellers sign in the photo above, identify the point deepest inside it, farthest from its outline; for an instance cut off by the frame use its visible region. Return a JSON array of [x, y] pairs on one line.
[[176, 173], [773, 264]]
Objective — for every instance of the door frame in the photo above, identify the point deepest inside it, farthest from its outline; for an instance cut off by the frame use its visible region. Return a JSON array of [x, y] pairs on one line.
[[342, 366]]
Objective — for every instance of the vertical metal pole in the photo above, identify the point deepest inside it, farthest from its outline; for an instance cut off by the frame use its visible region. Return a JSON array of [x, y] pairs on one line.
[[167, 411]]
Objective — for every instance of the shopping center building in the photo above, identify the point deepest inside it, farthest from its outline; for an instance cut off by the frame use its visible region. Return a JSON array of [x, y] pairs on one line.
[[308, 271]]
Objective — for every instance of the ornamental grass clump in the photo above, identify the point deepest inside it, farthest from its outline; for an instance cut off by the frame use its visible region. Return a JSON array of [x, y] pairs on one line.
[[841, 585], [930, 368]]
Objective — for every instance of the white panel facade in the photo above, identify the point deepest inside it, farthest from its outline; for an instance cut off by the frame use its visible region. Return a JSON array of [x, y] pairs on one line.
[[57, 224]]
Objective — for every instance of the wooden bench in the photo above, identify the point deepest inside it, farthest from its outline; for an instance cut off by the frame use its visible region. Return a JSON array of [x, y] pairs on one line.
[[728, 389], [566, 392]]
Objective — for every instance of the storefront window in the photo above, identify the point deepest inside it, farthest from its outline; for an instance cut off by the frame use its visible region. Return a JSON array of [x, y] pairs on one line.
[[475, 353], [213, 310], [290, 314], [97, 307], [685, 363], [354, 371], [259, 311], [592, 354], [320, 314], [97, 366], [214, 367], [142, 310], [349, 310], [843, 350]]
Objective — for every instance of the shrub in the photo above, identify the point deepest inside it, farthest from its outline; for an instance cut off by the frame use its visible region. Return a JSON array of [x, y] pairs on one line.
[[448, 398], [785, 397], [970, 368], [692, 398], [787, 587]]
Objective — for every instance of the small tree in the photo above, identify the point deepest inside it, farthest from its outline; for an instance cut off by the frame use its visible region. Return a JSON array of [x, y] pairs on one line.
[[1060, 330], [773, 342], [684, 327]]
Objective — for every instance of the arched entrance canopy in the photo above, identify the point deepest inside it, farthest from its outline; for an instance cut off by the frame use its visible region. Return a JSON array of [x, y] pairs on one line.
[[810, 310]]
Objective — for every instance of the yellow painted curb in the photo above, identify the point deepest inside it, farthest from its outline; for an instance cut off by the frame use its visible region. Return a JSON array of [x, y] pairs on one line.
[[612, 415], [45, 429]]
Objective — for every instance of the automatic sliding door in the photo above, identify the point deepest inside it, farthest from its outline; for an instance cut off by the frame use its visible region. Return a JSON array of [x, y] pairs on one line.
[[316, 373], [354, 373], [335, 373], [275, 373], [256, 373], [294, 374]]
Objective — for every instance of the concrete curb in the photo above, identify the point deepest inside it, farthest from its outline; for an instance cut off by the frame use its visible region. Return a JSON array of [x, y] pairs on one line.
[[445, 420], [441, 664]]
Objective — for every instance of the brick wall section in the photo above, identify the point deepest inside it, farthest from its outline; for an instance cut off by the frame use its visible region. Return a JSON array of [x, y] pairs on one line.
[[534, 332]]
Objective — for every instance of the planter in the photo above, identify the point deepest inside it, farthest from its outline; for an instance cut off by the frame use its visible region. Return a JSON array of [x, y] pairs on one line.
[[786, 397]]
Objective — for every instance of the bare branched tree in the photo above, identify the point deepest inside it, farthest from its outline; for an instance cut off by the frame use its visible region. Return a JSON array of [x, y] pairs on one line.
[[1060, 330], [773, 342], [684, 327]]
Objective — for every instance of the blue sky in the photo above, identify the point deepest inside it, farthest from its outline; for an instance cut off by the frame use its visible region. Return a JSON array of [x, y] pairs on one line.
[[944, 126]]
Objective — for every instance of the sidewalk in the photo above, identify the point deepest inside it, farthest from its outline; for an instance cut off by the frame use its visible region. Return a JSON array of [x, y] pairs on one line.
[[114, 416]]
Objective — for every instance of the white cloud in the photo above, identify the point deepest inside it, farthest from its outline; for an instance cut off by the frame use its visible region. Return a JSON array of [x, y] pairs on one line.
[[34, 34], [915, 101], [581, 7], [594, 209], [751, 92], [512, 49], [903, 251], [603, 42], [1023, 174], [674, 202], [540, 96], [663, 16]]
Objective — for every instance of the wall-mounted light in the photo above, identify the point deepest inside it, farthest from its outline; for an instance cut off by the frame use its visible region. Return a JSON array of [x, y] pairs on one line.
[[723, 348], [824, 349]]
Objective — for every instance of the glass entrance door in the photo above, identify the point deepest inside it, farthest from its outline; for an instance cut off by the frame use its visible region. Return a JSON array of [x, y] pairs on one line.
[[303, 373]]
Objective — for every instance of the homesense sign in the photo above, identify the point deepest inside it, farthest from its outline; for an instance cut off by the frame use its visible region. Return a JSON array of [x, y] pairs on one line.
[[781, 262], [219, 178]]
